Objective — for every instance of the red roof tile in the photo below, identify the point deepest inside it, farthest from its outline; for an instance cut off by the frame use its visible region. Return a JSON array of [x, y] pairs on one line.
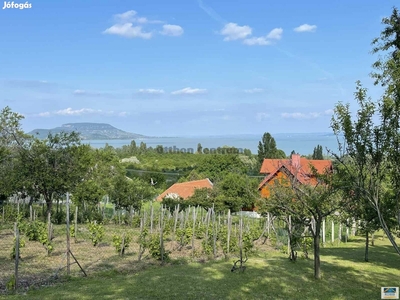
[[186, 189], [298, 166]]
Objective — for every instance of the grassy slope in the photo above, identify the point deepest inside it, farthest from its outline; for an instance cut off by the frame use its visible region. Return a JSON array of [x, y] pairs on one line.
[[269, 276]]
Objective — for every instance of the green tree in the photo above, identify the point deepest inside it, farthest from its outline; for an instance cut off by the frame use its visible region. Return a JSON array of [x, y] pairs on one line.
[[356, 206], [267, 148], [237, 191], [12, 141], [199, 148], [128, 193], [88, 193], [50, 167], [216, 166], [318, 153], [307, 204], [387, 74], [364, 160], [373, 147]]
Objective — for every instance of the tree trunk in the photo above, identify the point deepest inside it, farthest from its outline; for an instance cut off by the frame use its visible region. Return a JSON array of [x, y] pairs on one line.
[[366, 245], [386, 229], [317, 237]]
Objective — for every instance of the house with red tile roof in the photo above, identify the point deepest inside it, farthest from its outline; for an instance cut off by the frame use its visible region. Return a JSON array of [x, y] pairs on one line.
[[185, 189], [298, 168]]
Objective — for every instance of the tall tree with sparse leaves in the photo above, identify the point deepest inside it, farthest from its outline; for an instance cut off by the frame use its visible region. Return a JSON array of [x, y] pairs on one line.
[[373, 146]]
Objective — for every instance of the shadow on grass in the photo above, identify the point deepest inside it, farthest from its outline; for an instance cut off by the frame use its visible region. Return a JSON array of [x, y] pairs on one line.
[[273, 277], [379, 255]]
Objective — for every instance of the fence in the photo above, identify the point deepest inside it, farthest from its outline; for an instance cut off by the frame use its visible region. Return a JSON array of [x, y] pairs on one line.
[[38, 250]]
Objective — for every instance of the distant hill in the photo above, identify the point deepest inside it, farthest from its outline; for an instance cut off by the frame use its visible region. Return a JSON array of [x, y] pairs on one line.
[[89, 131]]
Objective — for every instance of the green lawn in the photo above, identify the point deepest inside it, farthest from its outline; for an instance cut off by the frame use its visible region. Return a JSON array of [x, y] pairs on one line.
[[268, 275]]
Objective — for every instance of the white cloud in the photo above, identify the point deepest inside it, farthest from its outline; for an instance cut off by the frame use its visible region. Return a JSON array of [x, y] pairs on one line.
[[253, 91], [274, 34], [233, 31], [79, 92], [131, 17], [172, 30], [259, 41], [77, 112], [130, 25], [306, 28], [151, 91], [128, 30], [189, 91], [310, 115], [127, 16], [262, 116]]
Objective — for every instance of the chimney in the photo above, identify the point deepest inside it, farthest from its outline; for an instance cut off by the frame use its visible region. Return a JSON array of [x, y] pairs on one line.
[[296, 161]]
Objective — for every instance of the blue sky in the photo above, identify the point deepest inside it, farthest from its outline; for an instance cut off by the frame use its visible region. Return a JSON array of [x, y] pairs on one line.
[[189, 67]]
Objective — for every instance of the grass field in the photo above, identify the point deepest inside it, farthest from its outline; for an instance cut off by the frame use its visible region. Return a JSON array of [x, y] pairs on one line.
[[269, 275]]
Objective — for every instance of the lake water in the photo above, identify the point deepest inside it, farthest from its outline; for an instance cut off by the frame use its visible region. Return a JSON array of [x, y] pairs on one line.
[[303, 143]]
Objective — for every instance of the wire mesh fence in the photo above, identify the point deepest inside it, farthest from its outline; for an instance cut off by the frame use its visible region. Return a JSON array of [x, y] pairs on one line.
[[193, 233]]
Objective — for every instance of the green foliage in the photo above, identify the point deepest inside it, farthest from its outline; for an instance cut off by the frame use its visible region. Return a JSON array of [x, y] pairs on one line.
[[59, 217], [237, 191], [143, 241], [72, 231], [318, 153], [96, 233], [121, 243], [267, 148], [127, 193], [10, 285], [200, 231], [223, 239], [249, 237], [11, 214], [216, 166], [207, 245], [154, 246], [184, 235], [21, 245], [306, 245], [136, 221], [37, 231], [88, 192]]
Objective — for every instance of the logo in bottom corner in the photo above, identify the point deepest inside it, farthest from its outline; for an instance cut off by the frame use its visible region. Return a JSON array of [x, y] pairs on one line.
[[390, 293]]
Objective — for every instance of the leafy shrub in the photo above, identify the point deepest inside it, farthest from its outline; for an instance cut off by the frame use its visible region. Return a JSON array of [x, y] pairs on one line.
[[37, 231], [59, 217], [96, 233], [223, 238], [10, 285], [155, 248], [88, 216], [136, 221], [207, 246], [143, 242], [184, 236], [121, 243], [306, 245], [21, 245]]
